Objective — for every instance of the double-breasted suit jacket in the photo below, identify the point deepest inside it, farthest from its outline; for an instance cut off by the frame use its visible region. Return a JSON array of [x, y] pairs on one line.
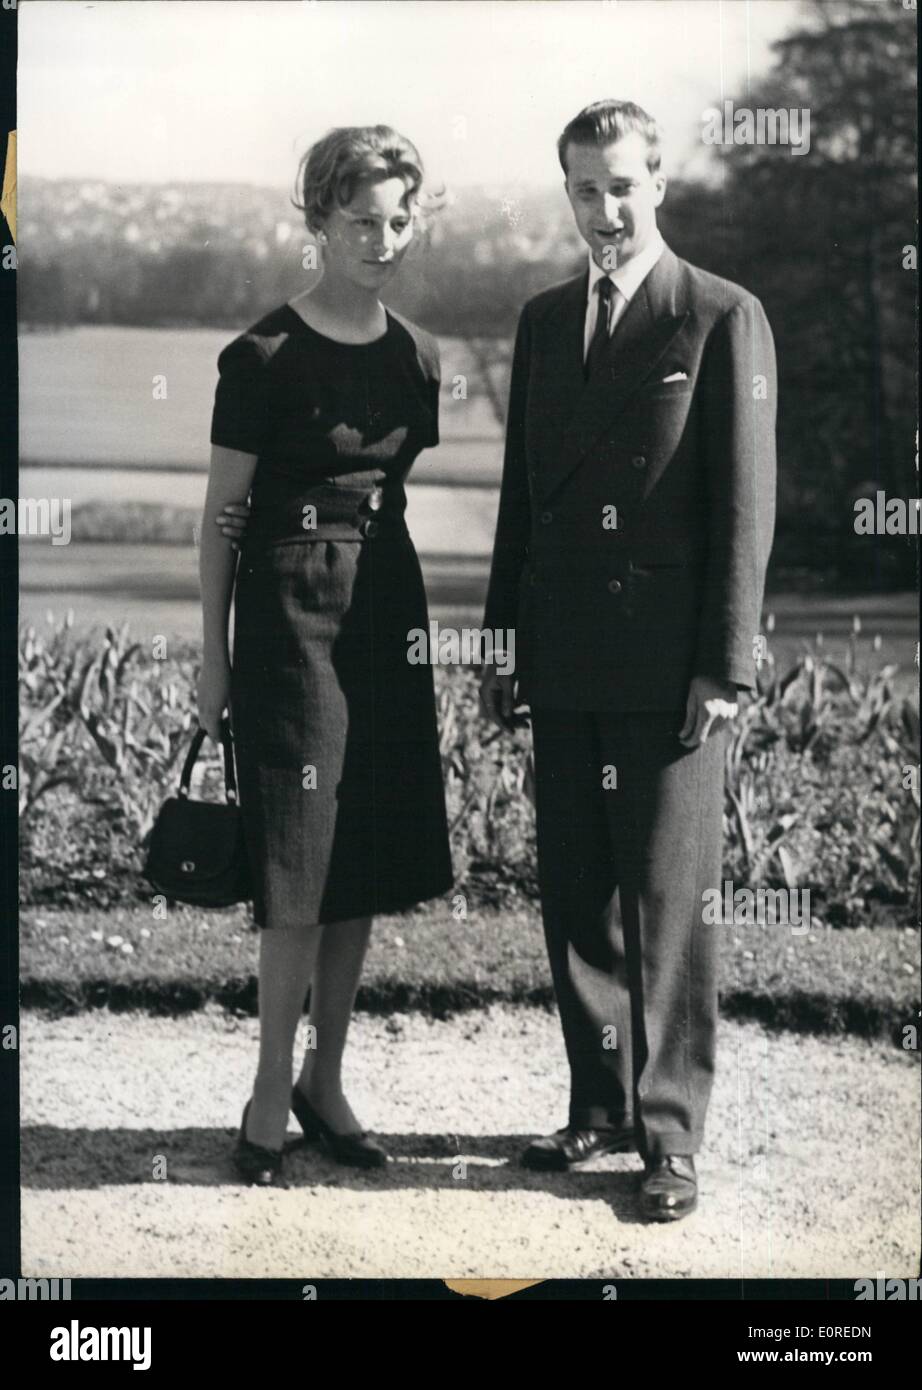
[[636, 513]]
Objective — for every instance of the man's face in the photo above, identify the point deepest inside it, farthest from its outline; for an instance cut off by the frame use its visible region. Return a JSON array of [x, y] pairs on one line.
[[614, 197]]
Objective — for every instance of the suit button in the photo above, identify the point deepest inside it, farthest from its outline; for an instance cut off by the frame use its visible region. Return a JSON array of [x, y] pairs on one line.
[[369, 529], [376, 499], [614, 586], [546, 518], [638, 461]]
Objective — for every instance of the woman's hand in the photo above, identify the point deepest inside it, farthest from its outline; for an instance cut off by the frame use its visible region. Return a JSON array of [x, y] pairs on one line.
[[232, 522], [213, 692]]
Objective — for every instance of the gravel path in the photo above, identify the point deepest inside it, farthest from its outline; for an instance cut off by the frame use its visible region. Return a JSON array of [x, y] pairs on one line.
[[811, 1168]]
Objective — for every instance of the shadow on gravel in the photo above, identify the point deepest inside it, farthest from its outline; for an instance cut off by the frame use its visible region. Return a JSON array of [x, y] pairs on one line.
[[83, 1159]]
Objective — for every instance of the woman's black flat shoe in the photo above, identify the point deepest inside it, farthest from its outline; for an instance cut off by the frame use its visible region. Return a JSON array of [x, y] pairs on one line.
[[260, 1167], [357, 1150]]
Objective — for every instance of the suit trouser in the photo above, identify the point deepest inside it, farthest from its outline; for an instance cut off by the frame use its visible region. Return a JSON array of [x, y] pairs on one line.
[[636, 990]]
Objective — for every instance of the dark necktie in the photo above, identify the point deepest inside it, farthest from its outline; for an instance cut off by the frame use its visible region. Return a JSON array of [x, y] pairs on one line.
[[599, 345]]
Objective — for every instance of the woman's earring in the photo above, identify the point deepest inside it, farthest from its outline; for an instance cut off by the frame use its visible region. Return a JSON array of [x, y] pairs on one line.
[[322, 238]]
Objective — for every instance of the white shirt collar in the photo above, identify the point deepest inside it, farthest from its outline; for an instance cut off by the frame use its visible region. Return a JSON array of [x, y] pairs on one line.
[[630, 276]]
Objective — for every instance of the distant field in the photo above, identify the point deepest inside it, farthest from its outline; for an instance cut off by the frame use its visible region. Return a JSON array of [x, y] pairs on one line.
[[87, 397]]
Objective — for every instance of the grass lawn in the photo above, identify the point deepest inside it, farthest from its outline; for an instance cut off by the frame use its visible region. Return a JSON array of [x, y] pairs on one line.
[[859, 980]]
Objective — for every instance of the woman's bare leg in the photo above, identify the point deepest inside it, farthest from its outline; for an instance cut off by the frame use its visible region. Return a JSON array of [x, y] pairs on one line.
[[286, 962], [337, 971]]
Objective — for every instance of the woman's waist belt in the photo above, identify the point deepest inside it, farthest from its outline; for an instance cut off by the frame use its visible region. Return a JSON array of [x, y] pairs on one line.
[[329, 513]]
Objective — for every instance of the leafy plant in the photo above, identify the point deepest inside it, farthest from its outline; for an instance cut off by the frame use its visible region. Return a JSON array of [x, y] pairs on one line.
[[815, 773]]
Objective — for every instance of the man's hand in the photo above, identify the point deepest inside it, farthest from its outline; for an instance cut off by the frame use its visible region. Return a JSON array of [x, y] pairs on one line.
[[497, 697], [232, 522], [711, 704]]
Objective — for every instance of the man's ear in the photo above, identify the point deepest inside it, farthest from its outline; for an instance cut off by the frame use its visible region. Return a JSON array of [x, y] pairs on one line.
[[660, 192]]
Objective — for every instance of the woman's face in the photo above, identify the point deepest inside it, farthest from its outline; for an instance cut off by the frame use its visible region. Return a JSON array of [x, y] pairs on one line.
[[368, 238]]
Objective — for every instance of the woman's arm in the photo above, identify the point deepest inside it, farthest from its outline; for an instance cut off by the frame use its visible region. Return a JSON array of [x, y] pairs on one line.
[[229, 480]]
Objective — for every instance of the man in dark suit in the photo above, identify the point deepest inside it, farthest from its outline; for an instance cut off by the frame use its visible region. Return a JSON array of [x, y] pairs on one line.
[[635, 523]]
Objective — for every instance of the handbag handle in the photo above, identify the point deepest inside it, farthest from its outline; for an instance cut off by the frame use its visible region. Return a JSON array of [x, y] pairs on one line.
[[230, 778]]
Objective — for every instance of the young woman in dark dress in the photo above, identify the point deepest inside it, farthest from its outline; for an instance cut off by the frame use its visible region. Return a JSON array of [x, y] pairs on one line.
[[320, 410]]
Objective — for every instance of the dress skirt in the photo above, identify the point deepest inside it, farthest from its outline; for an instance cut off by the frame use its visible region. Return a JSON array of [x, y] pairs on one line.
[[335, 732]]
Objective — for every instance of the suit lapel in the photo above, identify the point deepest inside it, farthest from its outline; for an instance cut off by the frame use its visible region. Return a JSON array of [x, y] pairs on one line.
[[647, 327], [562, 361]]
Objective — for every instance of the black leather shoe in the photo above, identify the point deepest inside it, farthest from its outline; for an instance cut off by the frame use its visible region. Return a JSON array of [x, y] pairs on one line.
[[260, 1167], [357, 1150], [669, 1188], [570, 1149]]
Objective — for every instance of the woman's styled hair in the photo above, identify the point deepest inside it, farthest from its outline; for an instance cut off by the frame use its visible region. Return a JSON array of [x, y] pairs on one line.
[[606, 121], [334, 166]]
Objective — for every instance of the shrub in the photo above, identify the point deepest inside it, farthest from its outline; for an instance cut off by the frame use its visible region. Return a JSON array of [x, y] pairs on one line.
[[814, 786]]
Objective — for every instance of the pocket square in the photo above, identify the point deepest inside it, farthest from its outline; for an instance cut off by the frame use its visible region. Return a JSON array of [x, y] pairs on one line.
[[676, 376]]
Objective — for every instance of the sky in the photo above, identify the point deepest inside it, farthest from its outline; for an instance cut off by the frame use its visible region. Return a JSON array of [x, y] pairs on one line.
[[234, 90]]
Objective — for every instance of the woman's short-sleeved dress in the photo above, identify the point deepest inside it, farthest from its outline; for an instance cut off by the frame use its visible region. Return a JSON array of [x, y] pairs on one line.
[[334, 727]]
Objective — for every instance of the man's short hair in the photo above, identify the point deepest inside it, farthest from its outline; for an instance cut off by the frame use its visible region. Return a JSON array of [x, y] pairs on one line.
[[603, 122]]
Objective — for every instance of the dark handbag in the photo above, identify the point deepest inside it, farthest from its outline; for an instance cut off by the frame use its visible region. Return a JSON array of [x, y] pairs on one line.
[[197, 852]]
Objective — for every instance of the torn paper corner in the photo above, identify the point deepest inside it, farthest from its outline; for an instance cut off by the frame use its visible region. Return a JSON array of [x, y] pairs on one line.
[[489, 1288], [8, 196]]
